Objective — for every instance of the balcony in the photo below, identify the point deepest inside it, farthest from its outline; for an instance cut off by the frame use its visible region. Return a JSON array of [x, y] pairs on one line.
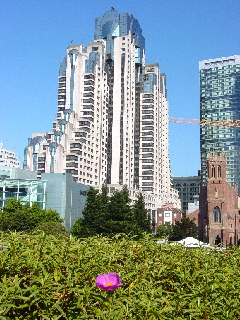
[[71, 158], [89, 83], [84, 123], [89, 88], [90, 100], [88, 94], [88, 106], [89, 76], [75, 146], [71, 164]]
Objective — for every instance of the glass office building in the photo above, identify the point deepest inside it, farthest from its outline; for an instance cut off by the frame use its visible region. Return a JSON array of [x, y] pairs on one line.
[[220, 100], [188, 188]]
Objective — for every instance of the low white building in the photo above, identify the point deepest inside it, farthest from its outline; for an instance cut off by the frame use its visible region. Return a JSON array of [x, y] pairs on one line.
[[195, 205], [8, 158]]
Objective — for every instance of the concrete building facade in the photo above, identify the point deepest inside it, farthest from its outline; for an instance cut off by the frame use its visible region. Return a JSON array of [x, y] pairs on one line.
[[8, 158], [112, 119], [65, 196]]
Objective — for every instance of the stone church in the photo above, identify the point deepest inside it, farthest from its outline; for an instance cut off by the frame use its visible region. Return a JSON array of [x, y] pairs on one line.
[[219, 218]]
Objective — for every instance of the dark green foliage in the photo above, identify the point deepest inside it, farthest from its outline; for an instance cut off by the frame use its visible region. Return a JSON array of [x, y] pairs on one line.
[[119, 218], [119, 205], [23, 217], [141, 216], [13, 205], [165, 230], [52, 228], [94, 213], [19, 220], [184, 228], [113, 214]]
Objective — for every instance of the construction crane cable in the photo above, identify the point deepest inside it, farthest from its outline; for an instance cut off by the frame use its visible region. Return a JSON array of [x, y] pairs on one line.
[[220, 123]]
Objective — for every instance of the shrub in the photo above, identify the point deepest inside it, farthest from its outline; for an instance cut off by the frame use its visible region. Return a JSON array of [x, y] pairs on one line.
[[16, 216], [52, 228], [43, 277]]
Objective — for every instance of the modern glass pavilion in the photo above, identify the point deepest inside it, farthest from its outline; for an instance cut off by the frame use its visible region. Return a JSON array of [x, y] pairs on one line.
[[26, 190]]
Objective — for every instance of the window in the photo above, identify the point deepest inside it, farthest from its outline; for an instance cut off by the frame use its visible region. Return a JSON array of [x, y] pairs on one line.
[[216, 215], [167, 214], [219, 170], [213, 172]]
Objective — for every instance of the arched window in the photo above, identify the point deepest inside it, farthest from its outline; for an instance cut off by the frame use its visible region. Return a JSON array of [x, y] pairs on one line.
[[219, 169], [216, 214], [213, 172]]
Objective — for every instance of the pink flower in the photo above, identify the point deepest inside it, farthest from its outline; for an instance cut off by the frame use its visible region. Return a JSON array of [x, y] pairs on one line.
[[108, 281]]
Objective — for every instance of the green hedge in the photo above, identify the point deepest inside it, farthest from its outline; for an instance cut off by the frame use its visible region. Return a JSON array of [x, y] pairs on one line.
[[47, 278]]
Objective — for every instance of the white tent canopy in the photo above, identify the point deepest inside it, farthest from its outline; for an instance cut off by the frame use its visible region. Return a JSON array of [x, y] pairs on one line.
[[192, 242]]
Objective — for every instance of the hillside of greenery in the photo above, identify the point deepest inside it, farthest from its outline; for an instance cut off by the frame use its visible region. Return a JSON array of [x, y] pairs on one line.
[[43, 277]]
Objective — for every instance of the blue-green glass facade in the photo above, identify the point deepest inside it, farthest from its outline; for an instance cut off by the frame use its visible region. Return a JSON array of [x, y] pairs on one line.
[[114, 24], [149, 82], [220, 100], [32, 191]]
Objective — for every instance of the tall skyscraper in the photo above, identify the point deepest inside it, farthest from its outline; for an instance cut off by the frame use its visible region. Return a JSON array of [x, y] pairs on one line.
[[220, 100], [112, 119]]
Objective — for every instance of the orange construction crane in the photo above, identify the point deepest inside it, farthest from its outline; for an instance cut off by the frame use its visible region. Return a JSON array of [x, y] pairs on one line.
[[220, 123]]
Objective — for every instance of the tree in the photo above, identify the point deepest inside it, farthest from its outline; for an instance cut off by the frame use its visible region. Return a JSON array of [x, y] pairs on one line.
[[94, 214], [13, 205], [104, 214], [119, 218], [78, 228], [52, 228], [184, 228], [23, 217], [141, 216], [165, 230], [19, 220]]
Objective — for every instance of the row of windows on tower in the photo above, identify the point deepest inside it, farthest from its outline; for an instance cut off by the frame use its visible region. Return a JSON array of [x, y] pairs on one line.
[[216, 171]]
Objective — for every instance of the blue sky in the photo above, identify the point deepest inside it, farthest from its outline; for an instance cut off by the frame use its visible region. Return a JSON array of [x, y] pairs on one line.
[[34, 35]]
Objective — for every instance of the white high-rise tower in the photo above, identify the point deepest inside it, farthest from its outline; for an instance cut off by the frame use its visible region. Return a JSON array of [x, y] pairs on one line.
[[112, 119]]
